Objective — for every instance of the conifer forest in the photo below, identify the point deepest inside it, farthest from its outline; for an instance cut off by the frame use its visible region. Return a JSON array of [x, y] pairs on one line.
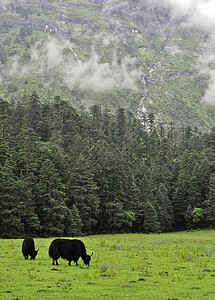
[[68, 171]]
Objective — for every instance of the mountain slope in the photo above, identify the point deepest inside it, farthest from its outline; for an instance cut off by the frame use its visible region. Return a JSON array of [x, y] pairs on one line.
[[113, 53]]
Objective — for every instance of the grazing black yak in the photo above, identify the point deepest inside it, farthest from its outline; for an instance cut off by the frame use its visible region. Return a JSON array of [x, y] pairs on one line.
[[28, 248], [69, 250]]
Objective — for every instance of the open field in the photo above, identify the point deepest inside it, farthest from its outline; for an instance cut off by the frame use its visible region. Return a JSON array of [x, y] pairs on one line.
[[123, 266]]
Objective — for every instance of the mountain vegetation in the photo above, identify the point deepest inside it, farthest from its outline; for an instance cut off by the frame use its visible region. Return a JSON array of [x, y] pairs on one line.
[[131, 54], [66, 171], [103, 127]]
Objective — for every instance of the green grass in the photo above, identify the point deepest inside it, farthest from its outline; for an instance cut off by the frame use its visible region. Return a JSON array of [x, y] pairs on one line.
[[131, 266]]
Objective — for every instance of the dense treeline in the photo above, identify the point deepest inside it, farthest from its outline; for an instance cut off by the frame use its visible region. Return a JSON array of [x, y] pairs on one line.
[[66, 171]]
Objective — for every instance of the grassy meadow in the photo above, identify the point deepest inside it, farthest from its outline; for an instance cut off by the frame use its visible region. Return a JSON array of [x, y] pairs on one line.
[[124, 266]]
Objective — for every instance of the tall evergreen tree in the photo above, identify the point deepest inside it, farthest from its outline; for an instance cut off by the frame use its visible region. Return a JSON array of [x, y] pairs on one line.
[[182, 186], [188, 217], [5, 119], [17, 216], [151, 223], [11, 208], [96, 121], [50, 200], [164, 208], [83, 192], [33, 116], [76, 224], [210, 203]]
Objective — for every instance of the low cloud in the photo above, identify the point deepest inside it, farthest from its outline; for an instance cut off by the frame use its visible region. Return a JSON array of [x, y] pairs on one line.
[[173, 50], [199, 14], [195, 14], [7, 72], [209, 95], [56, 55], [102, 76], [207, 67], [110, 6], [85, 74]]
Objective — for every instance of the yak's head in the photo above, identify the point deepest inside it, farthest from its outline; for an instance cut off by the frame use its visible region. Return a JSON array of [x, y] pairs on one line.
[[87, 259], [34, 254]]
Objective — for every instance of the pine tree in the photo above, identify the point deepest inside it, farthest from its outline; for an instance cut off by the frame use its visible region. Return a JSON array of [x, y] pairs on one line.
[[164, 208], [77, 224], [33, 116], [50, 200], [11, 202], [10, 215], [5, 119], [96, 121], [83, 192], [151, 223], [188, 217], [180, 204], [182, 186], [210, 203], [121, 123]]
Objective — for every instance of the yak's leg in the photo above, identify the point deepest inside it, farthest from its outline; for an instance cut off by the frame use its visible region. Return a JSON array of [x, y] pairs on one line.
[[76, 257], [56, 262]]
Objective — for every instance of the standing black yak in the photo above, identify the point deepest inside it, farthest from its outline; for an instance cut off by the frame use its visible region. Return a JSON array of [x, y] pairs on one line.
[[69, 250], [28, 248]]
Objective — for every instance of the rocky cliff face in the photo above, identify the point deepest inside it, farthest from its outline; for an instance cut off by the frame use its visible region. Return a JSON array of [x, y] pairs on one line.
[[128, 53]]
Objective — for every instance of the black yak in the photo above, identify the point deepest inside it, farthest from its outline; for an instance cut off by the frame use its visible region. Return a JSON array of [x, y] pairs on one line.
[[69, 250], [28, 248]]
